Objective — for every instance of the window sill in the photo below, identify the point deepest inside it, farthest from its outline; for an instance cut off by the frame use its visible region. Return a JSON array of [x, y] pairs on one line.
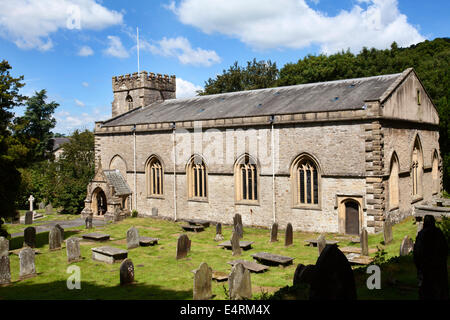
[[154, 196], [306, 207], [247, 202], [416, 199], [394, 208], [198, 199]]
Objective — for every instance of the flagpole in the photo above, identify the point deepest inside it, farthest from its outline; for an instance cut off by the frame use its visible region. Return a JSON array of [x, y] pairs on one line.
[[137, 33]]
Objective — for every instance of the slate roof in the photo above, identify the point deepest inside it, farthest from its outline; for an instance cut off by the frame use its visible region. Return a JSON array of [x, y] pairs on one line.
[[58, 142], [116, 179], [349, 94]]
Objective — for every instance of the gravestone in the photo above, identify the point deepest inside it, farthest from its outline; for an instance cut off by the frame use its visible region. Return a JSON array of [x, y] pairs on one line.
[[88, 222], [239, 283], [288, 236], [73, 249], [274, 233], [29, 217], [321, 243], [49, 209], [364, 241], [31, 201], [132, 238], [334, 278], [27, 266], [238, 226], [387, 229], [202, 282], [4, 247], [219, 236], [235, 244], [407, 246], [109, 254], [154, 212], [126, 272], [183, 246], [61, 230], [430, 257], [54, 239], [41, 205], [29, 237], [5, 270], [304, 274]]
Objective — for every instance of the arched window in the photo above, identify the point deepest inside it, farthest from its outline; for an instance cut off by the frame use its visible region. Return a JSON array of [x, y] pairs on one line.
[[435, 173], [417, 169], [196, 178], [246, 179], [393, 183], [129, 101], [155, 177], [305, 177]]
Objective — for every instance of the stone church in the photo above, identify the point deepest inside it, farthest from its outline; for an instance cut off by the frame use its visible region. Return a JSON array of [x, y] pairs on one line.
[[327, 157]]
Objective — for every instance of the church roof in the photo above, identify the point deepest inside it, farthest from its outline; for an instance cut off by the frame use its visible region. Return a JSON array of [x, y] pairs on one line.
[[116, 179], [349, 94]]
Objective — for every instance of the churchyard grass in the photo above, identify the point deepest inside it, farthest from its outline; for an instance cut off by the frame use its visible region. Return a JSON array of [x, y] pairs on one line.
[[159, 275]]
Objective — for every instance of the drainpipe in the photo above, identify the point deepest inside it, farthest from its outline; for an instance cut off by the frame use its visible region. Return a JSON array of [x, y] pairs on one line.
[[272, 120], [174, 173], [135, 178]]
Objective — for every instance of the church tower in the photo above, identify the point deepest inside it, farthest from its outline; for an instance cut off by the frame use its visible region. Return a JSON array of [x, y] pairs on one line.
[[132, 91]]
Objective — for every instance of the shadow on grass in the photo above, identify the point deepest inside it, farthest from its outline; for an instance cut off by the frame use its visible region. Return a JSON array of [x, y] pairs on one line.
[[41, 239], [23, 290]]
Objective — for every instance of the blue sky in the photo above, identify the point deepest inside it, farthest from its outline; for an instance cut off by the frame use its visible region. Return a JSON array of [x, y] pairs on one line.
[[72, 48]]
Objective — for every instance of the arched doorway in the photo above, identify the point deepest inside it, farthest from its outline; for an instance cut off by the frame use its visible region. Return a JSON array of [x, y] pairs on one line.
[[99, 205], [351, 217]]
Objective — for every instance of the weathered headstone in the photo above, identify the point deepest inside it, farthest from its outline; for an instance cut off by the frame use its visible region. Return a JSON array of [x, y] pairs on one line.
[[407, 246], [288, 237], [238, 226], [219, 236], [321, 243], [304, 274], [202, 282], [31, 201], [5, 270], [29, 237], [126, 272], [4, 246], [88, 222], [29, 217], [239, 283], [73, 249], [27, 266], [155, 212], [274, 233], [334, 278], [235, 244], [41, 205], [61, 230], [54, 239], [387, 228], [430, 257], [49, 209], [132, 238], [364, 241], [183, 246]]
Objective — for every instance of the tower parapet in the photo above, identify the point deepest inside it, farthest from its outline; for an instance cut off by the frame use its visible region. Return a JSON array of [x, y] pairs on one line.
[[132, 90]]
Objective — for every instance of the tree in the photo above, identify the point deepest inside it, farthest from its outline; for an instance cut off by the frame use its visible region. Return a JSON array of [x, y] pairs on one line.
[[68, 176], [257, 75], [9, 175]]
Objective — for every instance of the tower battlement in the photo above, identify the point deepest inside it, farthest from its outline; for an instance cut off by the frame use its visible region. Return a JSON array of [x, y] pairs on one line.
[[138, 90]]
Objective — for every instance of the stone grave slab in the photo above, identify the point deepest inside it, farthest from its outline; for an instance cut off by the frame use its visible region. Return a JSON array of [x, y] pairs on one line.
[[245, 245], [198, 222], [147, 241], [250, 265], [109, 254], [355, 258], [219, 276], [272, 259], [96, 236], [313, 242], [355, 250], [193, 228]]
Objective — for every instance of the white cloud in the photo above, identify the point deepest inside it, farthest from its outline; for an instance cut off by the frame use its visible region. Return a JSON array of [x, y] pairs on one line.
[[79, 103], [116, 48], [30, 23], [181, 49], [67, 122], [85, 84], [186, 89], [85, 51], [266, 24]]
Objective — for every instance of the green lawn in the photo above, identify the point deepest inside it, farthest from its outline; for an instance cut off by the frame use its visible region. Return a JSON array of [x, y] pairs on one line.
[[159, 275]]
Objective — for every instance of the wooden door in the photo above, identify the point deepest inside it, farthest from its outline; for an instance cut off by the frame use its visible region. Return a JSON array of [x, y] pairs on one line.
[[351, 217]]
